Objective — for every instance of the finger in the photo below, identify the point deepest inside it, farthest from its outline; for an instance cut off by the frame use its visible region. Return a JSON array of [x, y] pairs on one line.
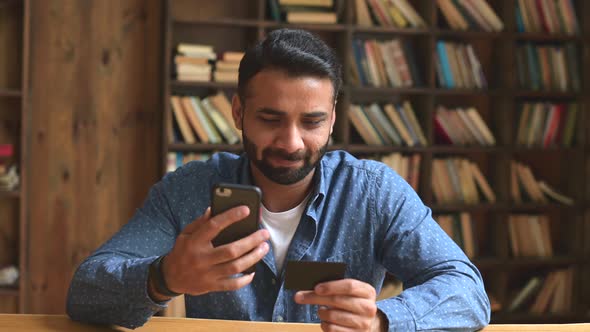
[[197, 223], [234, 283], [329, 327], [349, 287], [239, 248], [242, 263], [347, 303], [219, 222], [344, 319]]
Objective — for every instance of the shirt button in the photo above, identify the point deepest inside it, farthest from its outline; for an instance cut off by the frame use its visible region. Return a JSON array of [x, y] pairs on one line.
[[279, 318]]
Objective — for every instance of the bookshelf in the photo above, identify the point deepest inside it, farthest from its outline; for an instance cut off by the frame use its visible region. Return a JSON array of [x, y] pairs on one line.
[[13, 89], [231, 26]]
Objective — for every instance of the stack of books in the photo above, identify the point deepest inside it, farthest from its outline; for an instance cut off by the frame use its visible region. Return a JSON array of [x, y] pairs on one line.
[[525, 187], [555, 16], [203, 120], [546, 124], [194, 62], [304, 11], [392, 124], [457, 66], [390, 13], [226, 68], [462, 127], [470, 15], [459, 180]]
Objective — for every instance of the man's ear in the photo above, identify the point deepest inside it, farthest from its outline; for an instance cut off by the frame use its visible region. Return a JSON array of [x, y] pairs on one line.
[[333, 119], [237, 111]]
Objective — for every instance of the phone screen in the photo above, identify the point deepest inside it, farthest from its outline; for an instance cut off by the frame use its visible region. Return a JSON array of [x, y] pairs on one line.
[[225, 196]]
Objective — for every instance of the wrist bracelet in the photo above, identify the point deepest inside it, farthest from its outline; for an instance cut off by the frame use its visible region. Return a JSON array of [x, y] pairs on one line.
[[158, 278]]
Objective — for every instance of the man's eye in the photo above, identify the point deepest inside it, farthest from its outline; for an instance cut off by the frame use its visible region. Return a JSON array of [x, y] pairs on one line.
[[269, 120], [313, 122]]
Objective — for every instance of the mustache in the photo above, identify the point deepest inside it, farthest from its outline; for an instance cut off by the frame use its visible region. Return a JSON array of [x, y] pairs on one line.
[[295, 156]]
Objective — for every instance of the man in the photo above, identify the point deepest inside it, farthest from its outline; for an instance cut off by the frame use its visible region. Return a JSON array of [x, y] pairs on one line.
[[318, 206]]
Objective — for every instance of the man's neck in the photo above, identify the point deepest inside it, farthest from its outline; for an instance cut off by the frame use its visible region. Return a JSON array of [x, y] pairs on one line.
[[277, 197]]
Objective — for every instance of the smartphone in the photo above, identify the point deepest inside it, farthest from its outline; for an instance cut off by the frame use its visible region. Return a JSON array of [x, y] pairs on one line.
[[225, 196]]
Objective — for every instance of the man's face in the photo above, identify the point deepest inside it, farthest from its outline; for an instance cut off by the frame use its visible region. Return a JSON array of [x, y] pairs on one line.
[[286, 123]]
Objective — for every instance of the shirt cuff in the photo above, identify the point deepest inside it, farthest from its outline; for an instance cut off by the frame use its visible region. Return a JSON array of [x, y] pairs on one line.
[[139, 272], [398, 314]]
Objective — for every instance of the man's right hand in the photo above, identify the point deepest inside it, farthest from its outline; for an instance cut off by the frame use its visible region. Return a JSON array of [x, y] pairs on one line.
[[195, 266]]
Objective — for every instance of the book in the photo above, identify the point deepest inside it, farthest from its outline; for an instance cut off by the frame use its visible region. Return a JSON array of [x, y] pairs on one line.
[[445, 65], [414, 127], [310, 3], [409, 13], [222, 125], [212, 134], [452, 15], [362, 126], [312, 17], [488, 14], [483, 129], [193, 120], [222, 103], [394, 117], [551, 193], [482, 183], [526, 293], [181, 120], [363, 18]]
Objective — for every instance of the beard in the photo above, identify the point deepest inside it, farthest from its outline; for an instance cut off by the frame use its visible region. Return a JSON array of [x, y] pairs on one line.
[[283, 175]]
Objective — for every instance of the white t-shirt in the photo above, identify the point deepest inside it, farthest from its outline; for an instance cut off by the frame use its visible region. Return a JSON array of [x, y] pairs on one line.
[[282, 227]]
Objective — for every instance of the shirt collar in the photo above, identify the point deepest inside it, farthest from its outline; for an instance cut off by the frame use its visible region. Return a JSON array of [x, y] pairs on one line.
[[319, 183]]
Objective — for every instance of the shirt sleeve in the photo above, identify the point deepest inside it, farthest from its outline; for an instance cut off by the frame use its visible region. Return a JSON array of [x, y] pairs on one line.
[[442, 288], [110, 286]]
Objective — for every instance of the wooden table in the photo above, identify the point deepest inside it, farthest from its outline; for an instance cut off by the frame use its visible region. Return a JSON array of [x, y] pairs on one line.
[[60, 323]]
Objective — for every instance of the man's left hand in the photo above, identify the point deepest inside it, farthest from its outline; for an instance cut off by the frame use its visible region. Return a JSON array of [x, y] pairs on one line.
[[345, 305]]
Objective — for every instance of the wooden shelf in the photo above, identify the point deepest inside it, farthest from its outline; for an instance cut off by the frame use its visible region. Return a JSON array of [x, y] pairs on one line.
[[538, 149], [362, 148], [389, 30], [183, 147], [503, 207], [10, 193], [9, 291], [498, 106], [224, 22], [545, 37], [10, 92], [547, 94], [542, 207], [184, 85], [525, 263], [453, 149], [445, 34], [314, 27], [363, 90], [459, 207]]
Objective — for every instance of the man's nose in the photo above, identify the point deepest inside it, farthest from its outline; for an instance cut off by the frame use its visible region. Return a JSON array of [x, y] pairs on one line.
[[290, 139]]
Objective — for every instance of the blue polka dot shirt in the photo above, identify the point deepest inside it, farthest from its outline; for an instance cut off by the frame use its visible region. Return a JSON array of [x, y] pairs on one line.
[[361, 212]]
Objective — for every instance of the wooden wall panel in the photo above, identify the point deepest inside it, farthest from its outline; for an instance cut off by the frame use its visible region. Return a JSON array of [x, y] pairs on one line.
[[95, 127]]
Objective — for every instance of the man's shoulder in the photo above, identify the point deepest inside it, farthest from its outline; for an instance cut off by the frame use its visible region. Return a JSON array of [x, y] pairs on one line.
[[220, 165], [341, 161]]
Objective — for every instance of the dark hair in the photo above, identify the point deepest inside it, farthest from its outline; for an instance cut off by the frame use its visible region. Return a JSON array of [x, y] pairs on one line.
[[298, 52]]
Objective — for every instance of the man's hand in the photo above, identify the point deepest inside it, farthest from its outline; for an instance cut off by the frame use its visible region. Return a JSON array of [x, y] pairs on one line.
[[345, 305], [195, 267]]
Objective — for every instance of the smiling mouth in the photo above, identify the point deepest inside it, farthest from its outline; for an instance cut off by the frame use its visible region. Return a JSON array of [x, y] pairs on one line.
[[282, 162]]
